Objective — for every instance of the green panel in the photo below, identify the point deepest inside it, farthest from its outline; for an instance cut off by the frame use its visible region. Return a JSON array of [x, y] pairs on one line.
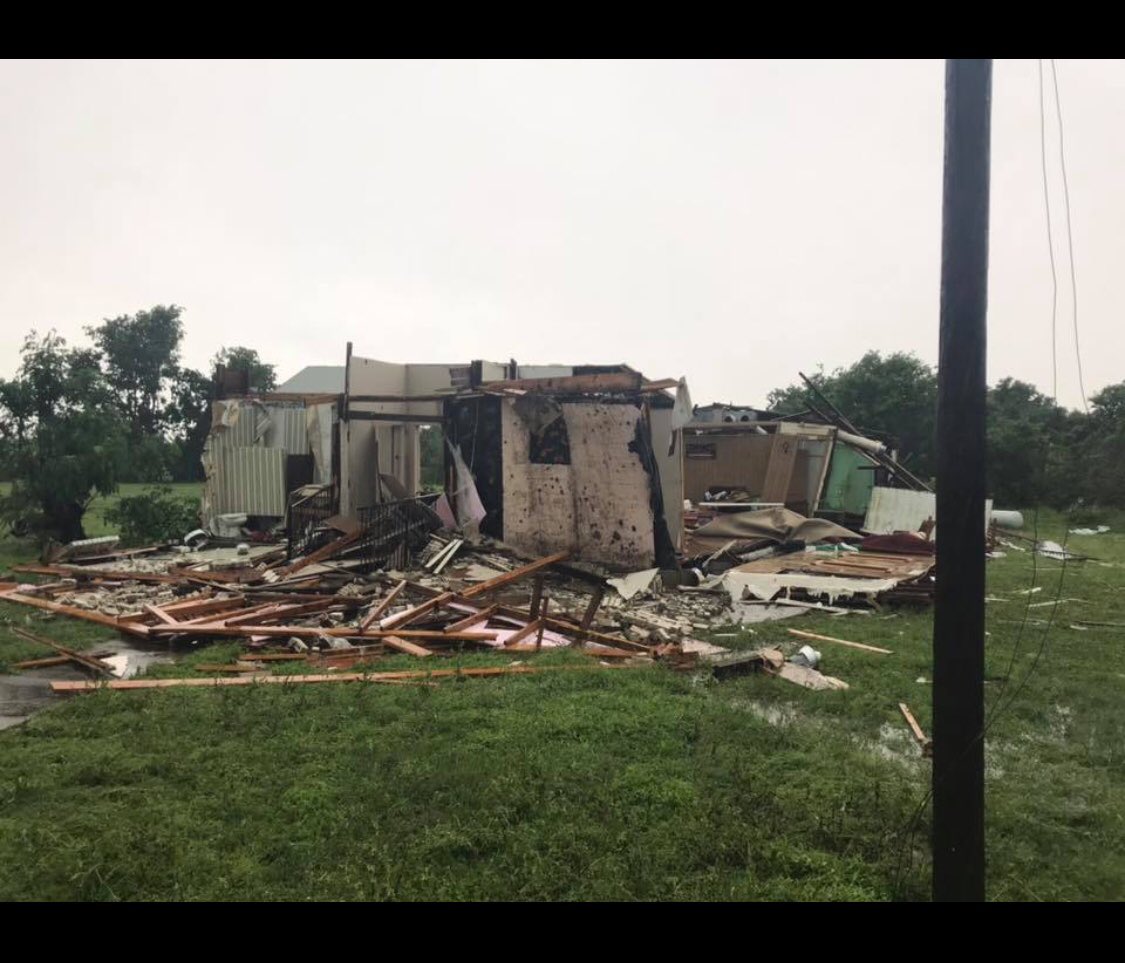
[[849, 483]]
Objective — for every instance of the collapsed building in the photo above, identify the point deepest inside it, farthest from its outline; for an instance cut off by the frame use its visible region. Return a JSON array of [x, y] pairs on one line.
[[541, 457], [595, 460]]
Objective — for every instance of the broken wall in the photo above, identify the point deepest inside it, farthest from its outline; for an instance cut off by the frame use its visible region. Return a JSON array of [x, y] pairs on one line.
[[372, 441], [741, 458], [671, 470], [247, 456], [588, 492]]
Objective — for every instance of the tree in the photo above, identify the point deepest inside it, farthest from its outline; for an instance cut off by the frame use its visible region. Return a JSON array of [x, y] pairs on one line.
[[1029, 457], [890, 397], [141, 355], [189, 416], [65, 439], [262, 375], [1102, 447]]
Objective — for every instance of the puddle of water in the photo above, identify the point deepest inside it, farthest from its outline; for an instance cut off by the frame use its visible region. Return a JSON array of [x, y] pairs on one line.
[[22, 695], [128, 660]]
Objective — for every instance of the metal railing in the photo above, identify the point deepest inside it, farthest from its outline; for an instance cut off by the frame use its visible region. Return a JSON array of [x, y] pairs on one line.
[[394, 531], [305, 516]]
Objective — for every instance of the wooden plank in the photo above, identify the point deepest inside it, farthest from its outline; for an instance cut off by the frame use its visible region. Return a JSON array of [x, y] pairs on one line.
[[42, 663], [536, 596], [477, 618], [325, 551], [912, 722], [78, 657], [554, 624], [284, 612], [404, 645], [592, 608], [448, 557], [829, 638], [530, 648], [779, 469], [295, 679], [513, 576], [226, 667], [571, 384], [75, 613], [408, 616], [160, 614], [382, 607], [520, 634], [313, 631]]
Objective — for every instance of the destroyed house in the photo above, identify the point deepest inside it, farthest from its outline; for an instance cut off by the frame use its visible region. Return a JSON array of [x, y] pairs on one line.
[[574, 464], [770, 461], [571, 463]]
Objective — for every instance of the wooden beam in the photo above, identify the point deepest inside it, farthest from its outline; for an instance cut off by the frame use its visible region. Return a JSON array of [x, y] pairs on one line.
[[592, 608], [382, 607], [76, 613], [404, 645], [313, 631], [520, 634], [470, 620], [160, 614], [829, 638], [78, 657], [536, 596], [297, 679], [513, 576], [325, 551], [408, 616], [571, 384], [912, 722], [662, 385]]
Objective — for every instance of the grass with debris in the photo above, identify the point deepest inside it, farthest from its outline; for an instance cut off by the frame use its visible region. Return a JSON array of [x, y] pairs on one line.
[[597, 784]]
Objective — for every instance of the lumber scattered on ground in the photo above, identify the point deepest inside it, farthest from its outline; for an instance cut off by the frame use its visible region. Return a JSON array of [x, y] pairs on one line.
[[828, 638]]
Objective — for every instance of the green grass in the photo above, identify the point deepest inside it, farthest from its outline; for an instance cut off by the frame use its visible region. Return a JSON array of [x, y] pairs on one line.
[[628, 784]]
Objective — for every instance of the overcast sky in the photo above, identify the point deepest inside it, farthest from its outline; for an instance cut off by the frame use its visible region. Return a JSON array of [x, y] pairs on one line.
[[728, 221]]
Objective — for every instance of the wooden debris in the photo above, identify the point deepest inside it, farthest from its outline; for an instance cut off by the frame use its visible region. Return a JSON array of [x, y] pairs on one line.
[[160, 614], [404, 645], [296, 679], [369, 619], [325, 551], [514, 576], [925, 743], [408, 616], [85, 660], [829, 638], [520, 634]]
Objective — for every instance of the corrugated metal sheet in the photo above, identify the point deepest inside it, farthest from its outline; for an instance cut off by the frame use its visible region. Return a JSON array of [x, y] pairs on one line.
[[288, 429], [243, 424], [901, 510], [247, 479]]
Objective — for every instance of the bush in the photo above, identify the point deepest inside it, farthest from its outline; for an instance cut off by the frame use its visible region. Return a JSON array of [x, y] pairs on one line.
[[155, 515]]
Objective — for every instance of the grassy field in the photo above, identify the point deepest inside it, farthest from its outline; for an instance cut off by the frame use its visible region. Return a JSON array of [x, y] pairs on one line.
[[624, 784]]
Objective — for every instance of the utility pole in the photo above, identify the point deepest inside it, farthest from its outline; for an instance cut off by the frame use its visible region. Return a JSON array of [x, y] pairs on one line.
[[958, 768]]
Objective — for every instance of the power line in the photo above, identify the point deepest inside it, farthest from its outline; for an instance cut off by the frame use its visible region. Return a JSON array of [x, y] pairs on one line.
[[1069, 236], [1050, 241]]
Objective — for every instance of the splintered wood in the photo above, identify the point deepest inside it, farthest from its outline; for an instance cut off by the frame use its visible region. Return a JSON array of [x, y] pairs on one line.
[[326, 619]]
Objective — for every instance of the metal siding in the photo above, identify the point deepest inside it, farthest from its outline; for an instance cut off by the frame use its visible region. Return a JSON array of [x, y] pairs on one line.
[[249, 480], [901, 510]]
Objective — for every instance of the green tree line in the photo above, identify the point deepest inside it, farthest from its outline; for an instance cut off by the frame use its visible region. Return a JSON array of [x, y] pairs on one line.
[[1038, 451], [75, 421]]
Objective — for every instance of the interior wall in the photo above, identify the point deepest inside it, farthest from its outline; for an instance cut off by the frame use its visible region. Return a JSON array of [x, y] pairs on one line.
[[741, 459], [385, 447], [598, 506]]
